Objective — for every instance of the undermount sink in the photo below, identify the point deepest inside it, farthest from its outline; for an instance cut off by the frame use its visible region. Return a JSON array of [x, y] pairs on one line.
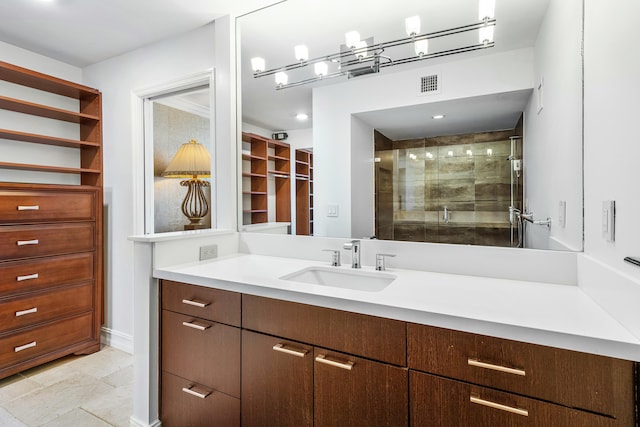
[[339, 278]]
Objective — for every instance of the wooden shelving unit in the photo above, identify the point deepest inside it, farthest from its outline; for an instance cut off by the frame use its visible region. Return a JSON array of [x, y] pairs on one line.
[[266, 159], [67, 222], [304, 192]]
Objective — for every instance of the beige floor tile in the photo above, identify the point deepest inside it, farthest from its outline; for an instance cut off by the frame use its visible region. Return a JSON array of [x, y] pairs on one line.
[[16, 386], [46, 404], [103, 363], [7, 420], [115, 406], [123, 377], [76, 418]]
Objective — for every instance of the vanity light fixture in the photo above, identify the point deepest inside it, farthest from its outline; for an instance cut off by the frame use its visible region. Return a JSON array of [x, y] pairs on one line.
[[302, 116], [302, 52], [489, 152], [358, 57], [438, 116]]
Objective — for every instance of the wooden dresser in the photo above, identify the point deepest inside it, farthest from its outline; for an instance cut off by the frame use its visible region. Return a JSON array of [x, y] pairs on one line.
[[51, 236]]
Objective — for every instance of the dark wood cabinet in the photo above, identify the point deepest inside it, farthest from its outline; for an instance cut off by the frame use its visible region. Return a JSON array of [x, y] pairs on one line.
[[277, 382]]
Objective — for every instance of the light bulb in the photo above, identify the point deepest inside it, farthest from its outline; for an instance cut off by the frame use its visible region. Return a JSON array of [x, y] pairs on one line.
[[302, 53], [422, 47], [485, 34], [281, 78], [486, 9], [320, 68], [351, 39], [257, 64], [302, 116], [412, 25], [360, 49]]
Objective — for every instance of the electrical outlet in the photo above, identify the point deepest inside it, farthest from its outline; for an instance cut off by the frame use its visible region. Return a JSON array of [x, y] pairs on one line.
[[208, 252], [332, 210], [608, 220], [562, 213]]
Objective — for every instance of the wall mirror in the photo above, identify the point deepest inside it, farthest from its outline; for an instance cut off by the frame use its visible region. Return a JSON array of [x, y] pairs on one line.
[[468, 138]]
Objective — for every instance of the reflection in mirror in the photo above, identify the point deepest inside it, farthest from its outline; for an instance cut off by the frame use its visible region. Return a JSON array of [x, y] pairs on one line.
[[492, 134], [176, 119]]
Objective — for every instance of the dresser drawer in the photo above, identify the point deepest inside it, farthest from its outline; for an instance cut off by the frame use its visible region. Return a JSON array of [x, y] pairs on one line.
[[25, 206], [595, 383], [185, 403], [368, 336], [440, 402], [25, 241], [205, 352], [17, 277], [29, 344], [199, 301], [43, 306]]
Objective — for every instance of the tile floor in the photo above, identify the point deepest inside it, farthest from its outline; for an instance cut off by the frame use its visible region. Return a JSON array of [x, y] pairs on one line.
[[88, 391]]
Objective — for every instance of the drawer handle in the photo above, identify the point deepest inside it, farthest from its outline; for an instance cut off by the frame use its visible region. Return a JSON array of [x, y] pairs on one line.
[[193, 390], [195, 303], [282, 349], [479, 364], [29, 311], [495, 405], [27, 242], [27, 277], [196, 326], [24, 347], [29, 208], [346, 365]]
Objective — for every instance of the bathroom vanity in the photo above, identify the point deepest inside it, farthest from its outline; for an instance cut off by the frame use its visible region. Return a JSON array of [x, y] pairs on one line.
[[243, 345]]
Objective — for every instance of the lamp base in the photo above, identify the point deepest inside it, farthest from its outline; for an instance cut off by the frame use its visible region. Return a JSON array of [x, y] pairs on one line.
[[195, 227]]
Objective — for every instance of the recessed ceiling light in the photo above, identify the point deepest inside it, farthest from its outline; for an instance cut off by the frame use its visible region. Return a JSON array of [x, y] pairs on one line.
[[438, 116], [302, 116]]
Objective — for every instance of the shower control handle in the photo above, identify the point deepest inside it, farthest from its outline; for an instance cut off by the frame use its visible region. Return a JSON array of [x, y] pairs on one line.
[[446, 216]]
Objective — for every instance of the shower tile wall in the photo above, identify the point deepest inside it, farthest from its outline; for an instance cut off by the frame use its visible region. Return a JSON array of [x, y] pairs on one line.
[[468, 174]]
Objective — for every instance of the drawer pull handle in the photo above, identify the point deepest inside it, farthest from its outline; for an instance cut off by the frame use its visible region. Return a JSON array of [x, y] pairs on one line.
[[346, 365], [495, 405], [27, 242], [192, 391], [282, 349], [27, 277], [196, 326], [29, 311], [195, 303], [29, 208], [24, 347], [479, 364]]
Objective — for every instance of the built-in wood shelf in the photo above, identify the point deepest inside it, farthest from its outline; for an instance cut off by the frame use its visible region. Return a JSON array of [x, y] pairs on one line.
[[44, 139], [43, 168], [26, 107]]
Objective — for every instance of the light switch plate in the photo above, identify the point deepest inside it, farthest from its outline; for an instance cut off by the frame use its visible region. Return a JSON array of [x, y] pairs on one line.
[[562, 213], [332, 210], [608, 220]]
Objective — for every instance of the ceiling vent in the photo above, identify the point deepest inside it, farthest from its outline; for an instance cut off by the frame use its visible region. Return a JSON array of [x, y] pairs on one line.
[[430, 85]]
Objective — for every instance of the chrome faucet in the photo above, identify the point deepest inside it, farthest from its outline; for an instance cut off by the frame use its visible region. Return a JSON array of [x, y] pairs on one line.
[[354, 247], [380, 261]]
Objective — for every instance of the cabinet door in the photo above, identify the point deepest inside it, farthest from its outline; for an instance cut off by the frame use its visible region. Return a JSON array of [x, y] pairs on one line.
[[441, 402], [277, 382], [350, 391]]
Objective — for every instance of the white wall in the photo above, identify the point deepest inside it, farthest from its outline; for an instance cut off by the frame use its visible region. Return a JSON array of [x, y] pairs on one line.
[[118, 78], [612, 111], [334, 104], [553, 135]]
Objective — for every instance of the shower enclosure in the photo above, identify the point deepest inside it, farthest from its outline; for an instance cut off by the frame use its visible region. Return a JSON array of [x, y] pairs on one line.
[[463, 189]]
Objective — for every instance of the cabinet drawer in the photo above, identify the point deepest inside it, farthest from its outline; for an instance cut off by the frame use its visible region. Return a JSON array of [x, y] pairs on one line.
[[205, 303], [43, 339], [185, 403], [441, 402], [350, 391], [369, 336], [596, 383], [32, 275], [18, 206], [43, 306], [25, 241], [203, 351]]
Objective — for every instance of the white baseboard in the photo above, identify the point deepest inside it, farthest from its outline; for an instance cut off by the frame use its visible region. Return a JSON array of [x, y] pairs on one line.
[[133, 422], [116, 339]]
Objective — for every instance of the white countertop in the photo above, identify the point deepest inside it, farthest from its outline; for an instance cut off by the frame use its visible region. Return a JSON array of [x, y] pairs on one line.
[[555, 315]]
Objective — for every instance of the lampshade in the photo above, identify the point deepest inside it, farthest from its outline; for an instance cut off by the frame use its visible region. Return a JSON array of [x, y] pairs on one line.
[[485, 34], [281, 78], [412, 25], [486, 9], [351, 39], [302, 52], [321, 68], [361, 49], [192, 159], [422, 47], [258, 64]]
